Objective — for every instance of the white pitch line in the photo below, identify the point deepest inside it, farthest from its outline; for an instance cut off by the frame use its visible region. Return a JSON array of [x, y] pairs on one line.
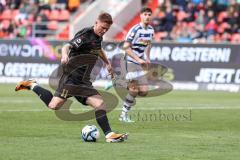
[[24, 110], [11, 101], [177, 106], [188, 108], [119, 109]]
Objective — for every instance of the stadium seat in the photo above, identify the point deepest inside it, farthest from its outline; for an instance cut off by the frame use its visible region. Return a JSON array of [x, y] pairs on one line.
[[31, 18], [158, 36], [5, 24], [54, 15], [235, 38], [191, 24], [181, 15], [7, 14], [64, 35], [64, 15], [15, 13], [222, 15], [52, 25], [46, 12]]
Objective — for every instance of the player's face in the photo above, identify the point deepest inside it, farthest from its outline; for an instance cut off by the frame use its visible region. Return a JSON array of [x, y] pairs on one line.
[[146, 17], [100, 28]]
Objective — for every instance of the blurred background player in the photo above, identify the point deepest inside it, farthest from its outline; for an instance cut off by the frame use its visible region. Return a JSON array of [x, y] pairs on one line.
[[137, 42], [86, 42]]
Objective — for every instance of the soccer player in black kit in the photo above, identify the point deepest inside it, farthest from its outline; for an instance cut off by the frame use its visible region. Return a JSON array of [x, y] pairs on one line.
[[86, 44]]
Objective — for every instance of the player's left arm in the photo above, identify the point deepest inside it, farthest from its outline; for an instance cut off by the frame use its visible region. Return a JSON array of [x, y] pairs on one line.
[[65, 52], [106, 61], [148, 49]]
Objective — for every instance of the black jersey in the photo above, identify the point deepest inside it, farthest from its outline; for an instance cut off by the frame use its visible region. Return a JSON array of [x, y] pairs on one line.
[[75, 80], [84, 43]]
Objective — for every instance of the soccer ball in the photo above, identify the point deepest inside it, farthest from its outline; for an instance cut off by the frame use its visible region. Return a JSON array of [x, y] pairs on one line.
[[90, 133]]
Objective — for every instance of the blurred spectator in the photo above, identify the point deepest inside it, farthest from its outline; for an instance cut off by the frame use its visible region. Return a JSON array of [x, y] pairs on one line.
[[235, 38], [191, 12], [200, 17], [2, 2], [62, 4], [181, 3], [210, 15], [234, 21], [194, 33], [44, 5], [18, 17], [211, 27], [209, 6], [181, 15], [198, 20], [23, 30], [40, 27], [221, 5], [16, 3], [27, 9]]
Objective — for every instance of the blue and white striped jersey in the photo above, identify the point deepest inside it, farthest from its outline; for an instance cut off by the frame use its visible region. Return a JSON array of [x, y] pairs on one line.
[[139, 37]]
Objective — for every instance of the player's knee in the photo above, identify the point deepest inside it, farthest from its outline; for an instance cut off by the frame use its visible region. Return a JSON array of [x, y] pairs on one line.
[[56, 103], [133, 88], [53, 106], [134, 92], [143, 93], [99, 105]]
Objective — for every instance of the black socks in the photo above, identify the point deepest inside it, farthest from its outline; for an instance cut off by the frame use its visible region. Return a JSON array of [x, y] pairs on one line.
[[101, 117], [44, 94], [102, 121]]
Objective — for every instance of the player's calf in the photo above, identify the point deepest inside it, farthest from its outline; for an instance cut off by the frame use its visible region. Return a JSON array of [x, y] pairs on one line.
[[127, 105], [97, 103]]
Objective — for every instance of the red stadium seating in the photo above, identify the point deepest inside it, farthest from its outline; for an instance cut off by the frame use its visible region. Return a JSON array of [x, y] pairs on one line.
[[120, 36], [52, 25], [15, 13], [7, 14], [54, 15], [64, 15], [5, 24]]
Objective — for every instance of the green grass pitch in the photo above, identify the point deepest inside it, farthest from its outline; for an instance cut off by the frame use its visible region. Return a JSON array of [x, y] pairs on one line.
[[181, 125]]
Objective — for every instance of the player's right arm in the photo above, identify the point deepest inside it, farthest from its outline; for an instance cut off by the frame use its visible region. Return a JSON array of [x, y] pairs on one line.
[[65, 51], [128, 50], [75, 43]]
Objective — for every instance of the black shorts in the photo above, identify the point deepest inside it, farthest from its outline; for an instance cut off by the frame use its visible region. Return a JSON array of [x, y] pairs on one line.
[[81, 91]]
